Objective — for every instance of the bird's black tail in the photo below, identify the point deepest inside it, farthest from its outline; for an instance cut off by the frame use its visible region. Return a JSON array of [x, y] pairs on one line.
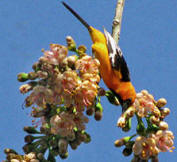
[[77, 16]]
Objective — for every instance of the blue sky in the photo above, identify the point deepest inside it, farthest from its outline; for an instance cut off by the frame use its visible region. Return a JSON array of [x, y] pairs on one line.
[[149, 43]]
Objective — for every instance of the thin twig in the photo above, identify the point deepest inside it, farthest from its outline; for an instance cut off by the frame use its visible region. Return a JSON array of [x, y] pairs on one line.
[[116, 24]]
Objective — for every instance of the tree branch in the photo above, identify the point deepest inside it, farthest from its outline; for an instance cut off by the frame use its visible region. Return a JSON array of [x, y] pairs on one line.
[[116, 24]]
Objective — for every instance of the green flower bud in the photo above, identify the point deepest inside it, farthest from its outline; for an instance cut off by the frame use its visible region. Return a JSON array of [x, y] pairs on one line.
[[40, 156], [99, 107], [90, 111], [64, 156], [164, 112], [119, 142], [63, 146], [82, 49], [161, 102], [73, 145], [81, 136], [12, 156], [88, 139], [29, 138], [22, 77], [71, 43], [127, 151], [31, 130], [28, 148], [98, 115], [8, 151]]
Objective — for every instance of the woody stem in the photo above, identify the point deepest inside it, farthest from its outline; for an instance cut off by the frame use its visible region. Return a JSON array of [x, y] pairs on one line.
[[116, 24]]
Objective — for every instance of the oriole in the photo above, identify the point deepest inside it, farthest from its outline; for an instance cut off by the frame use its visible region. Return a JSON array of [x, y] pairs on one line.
[[113, 68]]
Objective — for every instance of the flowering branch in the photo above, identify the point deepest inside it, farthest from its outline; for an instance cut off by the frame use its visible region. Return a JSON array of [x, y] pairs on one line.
[[116, 24], [156, 137]]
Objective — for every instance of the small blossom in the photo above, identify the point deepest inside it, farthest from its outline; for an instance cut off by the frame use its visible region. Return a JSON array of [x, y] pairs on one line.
[[88, 64], [30, 156], [129, 112], [70, 81], [41, 95], [164, 140], [80, 119], [85, 93], [56, 54], [144, 104], [121, 121], [71, 60], [62, 124], [145, 147], [94, 78]]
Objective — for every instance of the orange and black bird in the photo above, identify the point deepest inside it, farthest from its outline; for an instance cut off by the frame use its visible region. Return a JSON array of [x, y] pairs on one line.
[[113, 67]]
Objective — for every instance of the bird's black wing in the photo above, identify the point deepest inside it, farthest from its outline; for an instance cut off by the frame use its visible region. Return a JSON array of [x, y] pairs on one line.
[[117, 60]]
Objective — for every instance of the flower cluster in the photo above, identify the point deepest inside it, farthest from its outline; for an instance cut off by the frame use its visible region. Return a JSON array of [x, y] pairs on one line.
[[152, 140], [147, 147], [145, 104], [62, 87]]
